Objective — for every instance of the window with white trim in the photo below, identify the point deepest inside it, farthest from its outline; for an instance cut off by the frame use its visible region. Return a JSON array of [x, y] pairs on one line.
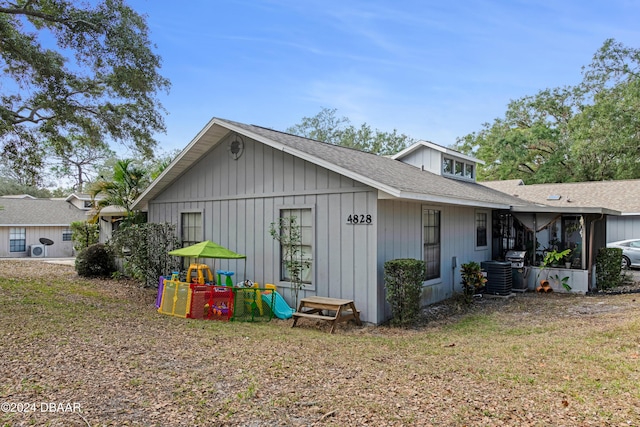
[[17, 239], [190, 228], [458, 167], [304, 221], [67, 235], [431, 242], [481, 229]]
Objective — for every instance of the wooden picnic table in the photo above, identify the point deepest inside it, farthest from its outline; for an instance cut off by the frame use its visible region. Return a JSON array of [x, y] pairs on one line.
[[313, 307]]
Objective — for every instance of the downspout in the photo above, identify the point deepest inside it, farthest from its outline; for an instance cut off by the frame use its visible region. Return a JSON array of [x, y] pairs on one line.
[[590, 264], [535, 241]]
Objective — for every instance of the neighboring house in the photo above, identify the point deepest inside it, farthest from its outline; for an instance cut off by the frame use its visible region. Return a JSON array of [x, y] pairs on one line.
[[82, 201], [26, 220], [109, 219], [619, 196]]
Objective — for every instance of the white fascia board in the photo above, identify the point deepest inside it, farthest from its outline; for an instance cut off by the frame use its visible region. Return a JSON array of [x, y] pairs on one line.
[[37, 225], [172, 165], [451, 200], [436, 147], [565, 209]]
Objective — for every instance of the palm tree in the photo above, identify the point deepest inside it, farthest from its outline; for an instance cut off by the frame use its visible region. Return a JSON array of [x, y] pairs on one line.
[[127, 184]]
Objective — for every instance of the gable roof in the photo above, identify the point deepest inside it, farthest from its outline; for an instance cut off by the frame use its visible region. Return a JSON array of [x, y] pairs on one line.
[[393, 178], [419, 144], [82, 196], [39, 212], [614, 195]]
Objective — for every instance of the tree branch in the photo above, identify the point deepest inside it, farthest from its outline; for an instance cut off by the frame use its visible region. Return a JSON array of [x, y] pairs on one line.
[[72, 24]]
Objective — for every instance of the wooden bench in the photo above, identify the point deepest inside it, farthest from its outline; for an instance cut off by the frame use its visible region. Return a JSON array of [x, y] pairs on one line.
[[312, 308]]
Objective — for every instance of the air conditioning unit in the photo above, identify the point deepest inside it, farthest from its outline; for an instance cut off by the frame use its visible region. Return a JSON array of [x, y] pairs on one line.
[[37, 251]]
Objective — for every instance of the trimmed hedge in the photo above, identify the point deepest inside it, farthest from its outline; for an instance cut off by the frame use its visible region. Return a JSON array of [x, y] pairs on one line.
[[403, 282], [608, 267]]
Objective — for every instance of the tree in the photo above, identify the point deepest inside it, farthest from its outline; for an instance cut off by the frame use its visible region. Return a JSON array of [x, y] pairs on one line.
[[129, 181], [79, 158], [607, 132], [327, 127], [84, 235], [9, 186], [68, 69], [530, 143], [583, 133]]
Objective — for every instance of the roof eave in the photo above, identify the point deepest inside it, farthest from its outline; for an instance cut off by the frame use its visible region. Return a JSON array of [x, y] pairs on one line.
[[169, 174], [429, 198], [568, 210]]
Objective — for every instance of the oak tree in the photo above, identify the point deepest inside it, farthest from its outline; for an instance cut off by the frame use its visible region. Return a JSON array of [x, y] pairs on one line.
[[327, 127], [74, 68], [586, 132]]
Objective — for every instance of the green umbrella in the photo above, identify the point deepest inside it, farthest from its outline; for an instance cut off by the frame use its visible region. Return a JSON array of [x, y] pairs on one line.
[[206, 249]]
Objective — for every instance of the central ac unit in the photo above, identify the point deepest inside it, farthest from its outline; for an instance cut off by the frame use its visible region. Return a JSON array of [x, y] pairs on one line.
[[37, 251]]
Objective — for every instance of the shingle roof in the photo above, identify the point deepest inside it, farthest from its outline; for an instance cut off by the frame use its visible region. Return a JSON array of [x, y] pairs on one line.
[[39, 212], [617, 195], [386, 174]]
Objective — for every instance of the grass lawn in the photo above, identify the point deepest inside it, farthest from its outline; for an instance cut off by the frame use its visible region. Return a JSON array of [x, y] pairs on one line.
[[89, 352]]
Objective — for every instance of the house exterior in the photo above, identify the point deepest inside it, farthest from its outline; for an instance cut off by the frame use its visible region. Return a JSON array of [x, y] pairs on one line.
[[109, 219], [621, 196], [26, 220], [356, 210]]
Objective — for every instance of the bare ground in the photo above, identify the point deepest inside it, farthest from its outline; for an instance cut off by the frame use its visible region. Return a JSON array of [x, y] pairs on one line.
[[536, 360]]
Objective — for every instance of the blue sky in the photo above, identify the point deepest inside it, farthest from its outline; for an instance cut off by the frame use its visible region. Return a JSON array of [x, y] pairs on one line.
[[431, 70]]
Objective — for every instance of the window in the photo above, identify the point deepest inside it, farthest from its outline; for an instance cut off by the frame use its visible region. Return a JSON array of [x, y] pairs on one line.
[[447, 166], [304, 221], [190, 228], [66, 236], [468, 170], [431, 239], [17, 240], [458, 168], [481, 229]]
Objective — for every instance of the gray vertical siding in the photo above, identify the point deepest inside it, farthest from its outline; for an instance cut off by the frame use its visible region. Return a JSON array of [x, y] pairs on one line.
[[400, 236], [59, 249], [425, 158], [623, 227], [239, 199]]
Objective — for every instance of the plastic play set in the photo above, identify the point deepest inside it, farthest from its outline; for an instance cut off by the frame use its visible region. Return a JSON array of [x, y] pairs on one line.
[[200, 297]]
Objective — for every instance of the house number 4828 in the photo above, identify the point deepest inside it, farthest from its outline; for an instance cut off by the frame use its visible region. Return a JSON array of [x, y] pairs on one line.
[[359, 219]]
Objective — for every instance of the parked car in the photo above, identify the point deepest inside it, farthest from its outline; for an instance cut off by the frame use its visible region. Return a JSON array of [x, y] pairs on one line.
[[630, 252]]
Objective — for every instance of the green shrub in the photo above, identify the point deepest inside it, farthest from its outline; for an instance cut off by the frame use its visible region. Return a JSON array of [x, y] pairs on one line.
[[608, 267], [403, 282], [84, 234], [472, 280], [95, 261], [144, 248]]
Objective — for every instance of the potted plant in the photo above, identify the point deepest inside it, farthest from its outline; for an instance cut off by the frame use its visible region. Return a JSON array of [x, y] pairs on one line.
[[551, 258], [472, 279], [567, 259]]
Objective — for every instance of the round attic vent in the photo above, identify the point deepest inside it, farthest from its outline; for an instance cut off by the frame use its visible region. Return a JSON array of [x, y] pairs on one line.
[[236, 148]]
